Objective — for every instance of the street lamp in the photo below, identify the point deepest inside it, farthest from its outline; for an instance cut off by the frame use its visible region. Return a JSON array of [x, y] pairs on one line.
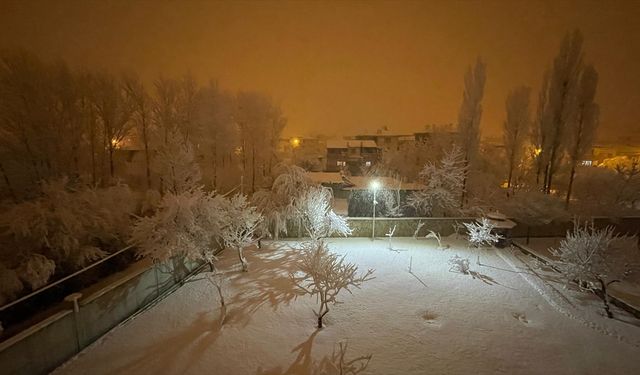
[[375, 185]]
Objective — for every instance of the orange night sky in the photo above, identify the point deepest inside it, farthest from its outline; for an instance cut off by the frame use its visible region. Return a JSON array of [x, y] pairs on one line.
[[343, 67]]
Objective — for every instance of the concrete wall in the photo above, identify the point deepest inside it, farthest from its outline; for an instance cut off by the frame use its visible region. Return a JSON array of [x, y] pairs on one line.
[[65, 332], [406, 226]]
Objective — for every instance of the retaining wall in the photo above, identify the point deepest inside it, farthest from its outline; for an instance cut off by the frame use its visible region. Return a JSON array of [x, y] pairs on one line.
[[72, 327]]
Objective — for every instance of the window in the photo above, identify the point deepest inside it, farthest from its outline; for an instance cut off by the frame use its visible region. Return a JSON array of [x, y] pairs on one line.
[[341, 163], [367, 163]]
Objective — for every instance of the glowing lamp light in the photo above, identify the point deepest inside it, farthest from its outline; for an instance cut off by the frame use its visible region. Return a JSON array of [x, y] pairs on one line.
[[537, 151], [375, 185], [295, 142]]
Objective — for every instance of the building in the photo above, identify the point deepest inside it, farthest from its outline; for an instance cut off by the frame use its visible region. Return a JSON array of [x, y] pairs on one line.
[[351, 155], [386, 140]]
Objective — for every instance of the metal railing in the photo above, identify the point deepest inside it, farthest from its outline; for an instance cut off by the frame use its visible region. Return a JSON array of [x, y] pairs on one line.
[[58, 282]]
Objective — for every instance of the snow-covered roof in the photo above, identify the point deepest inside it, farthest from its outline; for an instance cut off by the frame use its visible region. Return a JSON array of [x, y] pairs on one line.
[[325, 177], [364, 183], [343, 143]]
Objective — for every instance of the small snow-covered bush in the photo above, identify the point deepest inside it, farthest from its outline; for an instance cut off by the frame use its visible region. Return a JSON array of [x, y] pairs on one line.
[[324, 274], [437, 237], [460, 265], [10, 284], [36, 270], [480, 233], [596, 258]]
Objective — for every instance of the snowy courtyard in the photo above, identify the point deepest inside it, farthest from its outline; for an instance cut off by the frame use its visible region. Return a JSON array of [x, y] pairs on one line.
[[507, 316]]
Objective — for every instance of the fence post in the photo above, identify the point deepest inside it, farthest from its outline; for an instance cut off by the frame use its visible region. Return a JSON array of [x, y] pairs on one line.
[[73, 298]]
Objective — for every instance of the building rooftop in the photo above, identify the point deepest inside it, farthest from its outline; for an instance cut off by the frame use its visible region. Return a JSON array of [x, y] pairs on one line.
[[343, 143]]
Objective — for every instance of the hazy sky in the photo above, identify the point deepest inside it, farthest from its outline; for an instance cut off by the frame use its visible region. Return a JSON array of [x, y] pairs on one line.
[[342, 67]]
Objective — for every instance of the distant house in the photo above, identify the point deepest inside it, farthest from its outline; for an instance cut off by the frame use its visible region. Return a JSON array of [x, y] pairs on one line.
[[351, 155], [446, 131], [386, 140]]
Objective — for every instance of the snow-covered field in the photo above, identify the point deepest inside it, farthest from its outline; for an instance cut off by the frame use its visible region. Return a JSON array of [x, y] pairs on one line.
[[503, 319]]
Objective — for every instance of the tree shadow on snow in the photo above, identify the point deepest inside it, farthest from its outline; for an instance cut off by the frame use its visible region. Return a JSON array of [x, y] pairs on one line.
[[303, 364], [266, 284], [163, 355]]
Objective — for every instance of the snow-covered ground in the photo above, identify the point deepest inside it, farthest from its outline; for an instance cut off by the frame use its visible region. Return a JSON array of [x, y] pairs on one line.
[[503, 319]]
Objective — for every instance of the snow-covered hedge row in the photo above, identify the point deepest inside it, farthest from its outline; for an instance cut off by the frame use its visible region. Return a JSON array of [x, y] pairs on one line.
[[68, 226]]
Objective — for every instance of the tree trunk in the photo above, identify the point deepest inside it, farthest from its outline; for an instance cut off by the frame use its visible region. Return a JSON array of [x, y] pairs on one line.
[[147, 162], [8, 183], [243, 261], [111, 168], [571, 176], [605, 296], [322, 314]]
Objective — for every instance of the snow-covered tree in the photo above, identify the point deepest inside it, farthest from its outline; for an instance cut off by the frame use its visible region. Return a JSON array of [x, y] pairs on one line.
[[280, 203], [479, 233], [238, 225], [585, 123], [324, 274], [596, 258], [317, 217], [176, 165], [470, 114], [444, 184], [184, 224], [70, 223], [516, 128]]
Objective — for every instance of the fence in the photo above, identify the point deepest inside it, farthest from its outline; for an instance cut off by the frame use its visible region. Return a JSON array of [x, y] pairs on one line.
[[83, 317]]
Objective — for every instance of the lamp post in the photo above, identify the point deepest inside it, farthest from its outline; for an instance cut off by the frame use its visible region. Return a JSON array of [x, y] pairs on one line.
[[375, 185]]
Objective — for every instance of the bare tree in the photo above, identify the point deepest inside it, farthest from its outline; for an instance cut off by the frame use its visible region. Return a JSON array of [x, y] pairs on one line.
[[470, 114], [142, 116], [560, 105], [584, 124], [516, 127], [324, 274], [114, 109], [165, 106]]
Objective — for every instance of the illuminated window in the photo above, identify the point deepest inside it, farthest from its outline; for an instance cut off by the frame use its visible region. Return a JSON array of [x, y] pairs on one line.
[[367, 163], [341, 163]]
